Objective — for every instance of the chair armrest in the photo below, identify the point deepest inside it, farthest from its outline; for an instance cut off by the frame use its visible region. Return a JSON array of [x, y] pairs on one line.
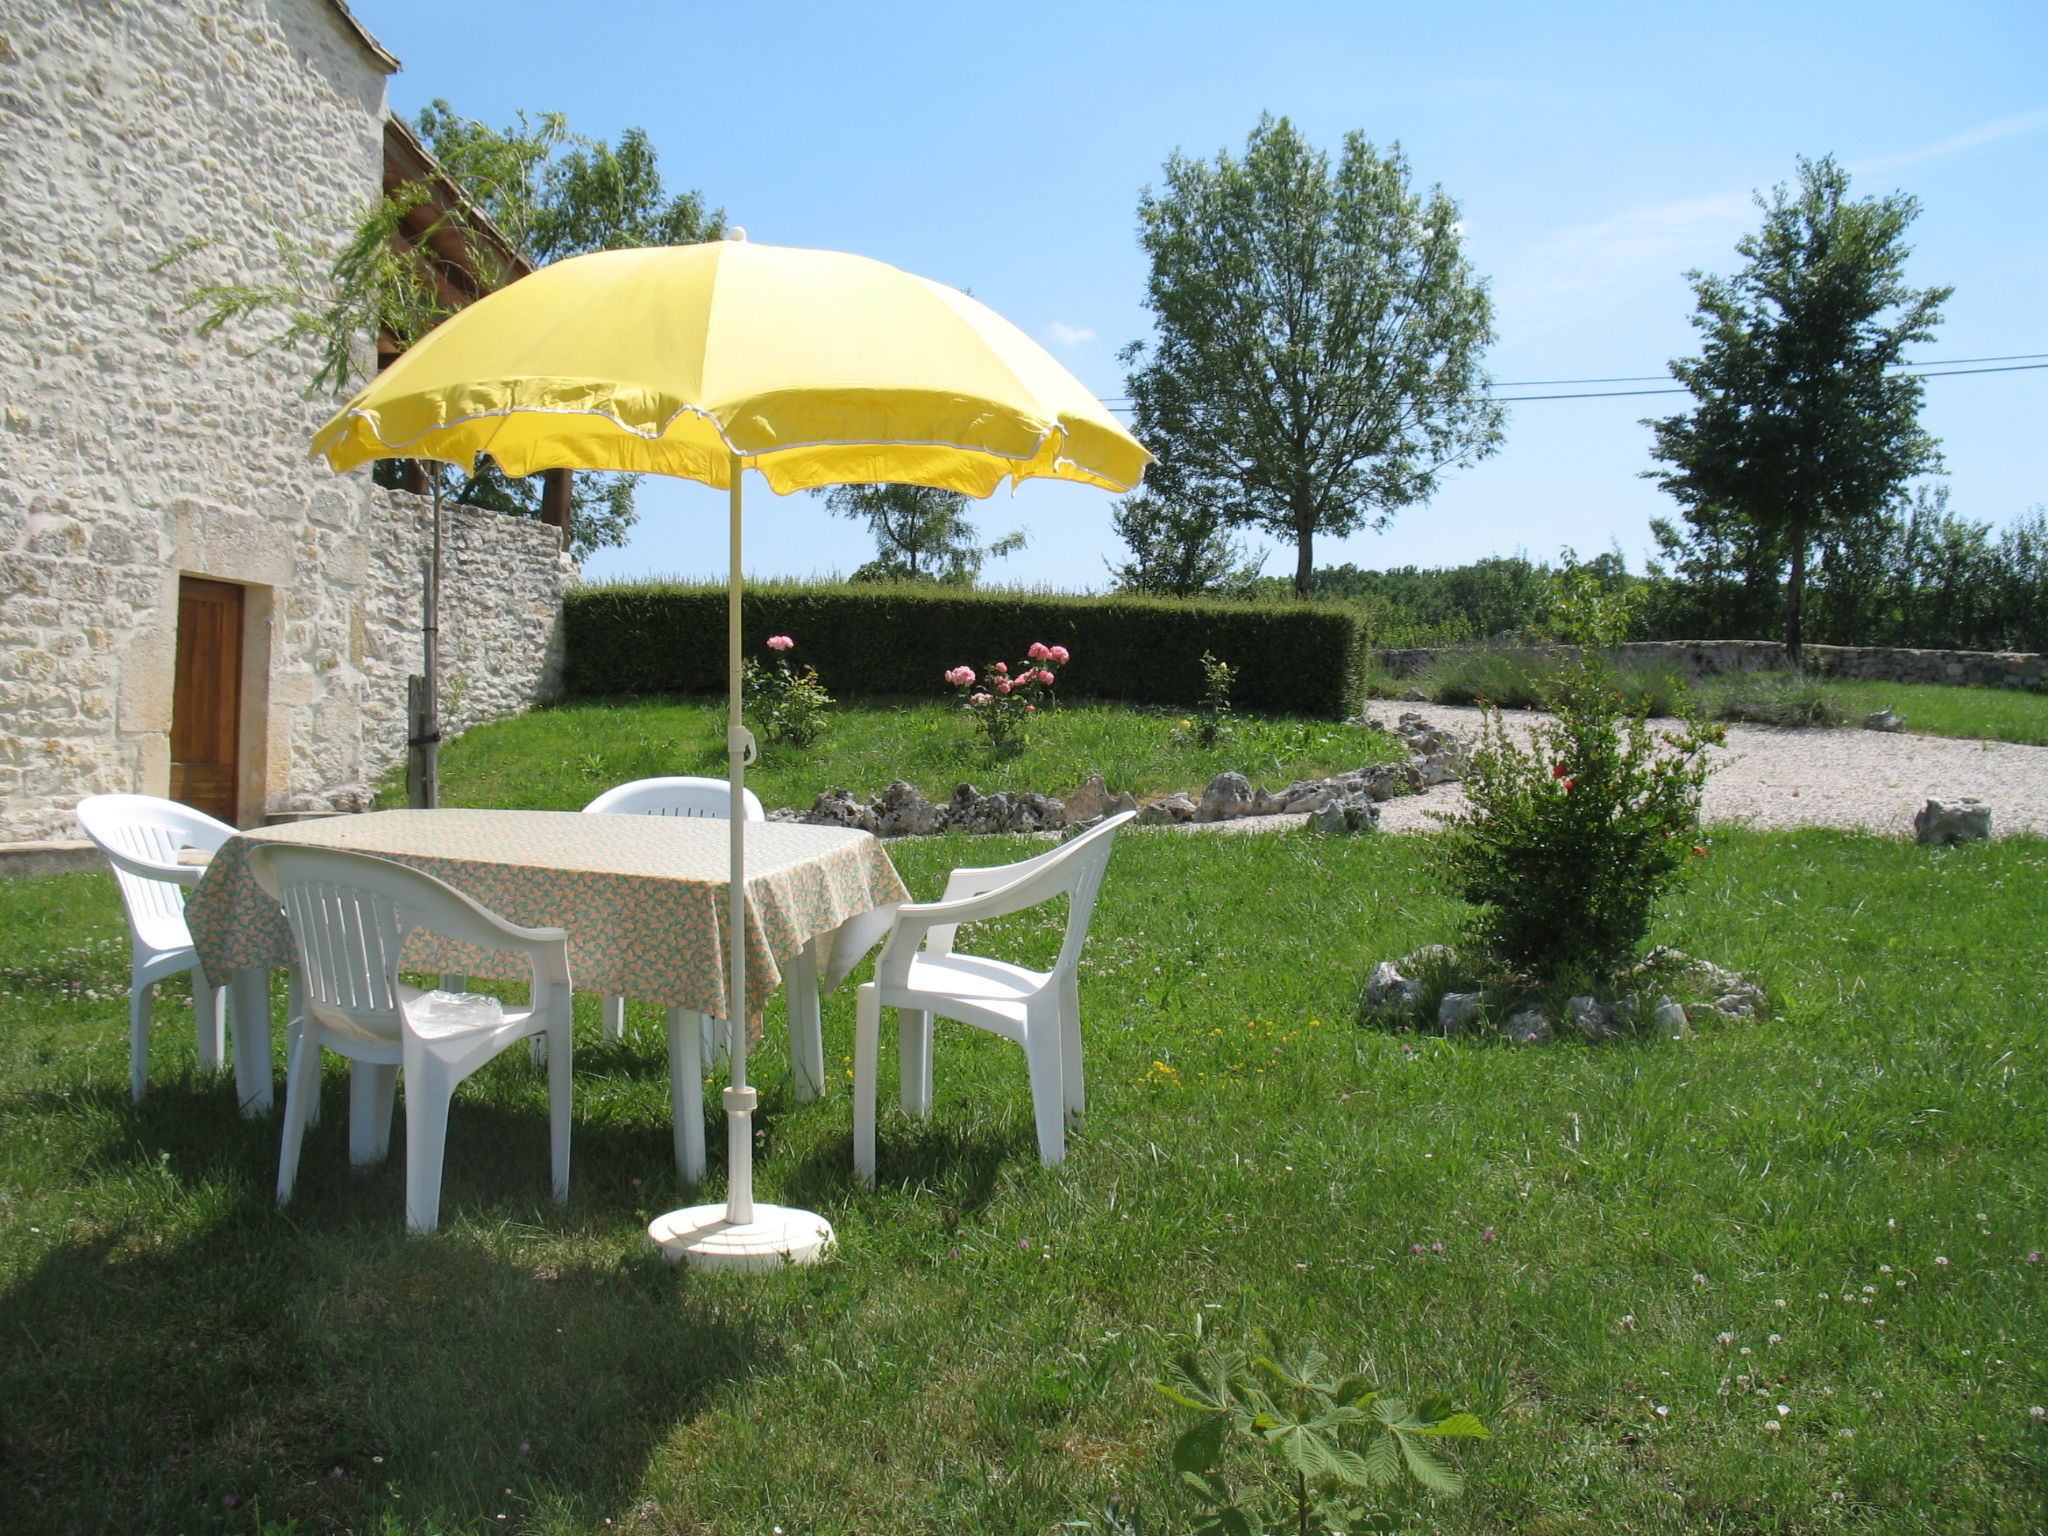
[[150, 869], [915, 920]]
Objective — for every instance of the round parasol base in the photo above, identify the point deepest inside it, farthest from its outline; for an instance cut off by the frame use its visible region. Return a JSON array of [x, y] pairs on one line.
[[777, 1236]]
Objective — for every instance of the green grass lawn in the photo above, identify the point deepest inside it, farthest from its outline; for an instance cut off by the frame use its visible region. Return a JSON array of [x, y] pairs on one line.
[[1555, 1236], [562, 758], [1519, 679], [1995, 714]]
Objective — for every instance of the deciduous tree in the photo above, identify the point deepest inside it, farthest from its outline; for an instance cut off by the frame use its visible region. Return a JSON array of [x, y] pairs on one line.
[[921, 533], [1803, 426], [1316, 362]]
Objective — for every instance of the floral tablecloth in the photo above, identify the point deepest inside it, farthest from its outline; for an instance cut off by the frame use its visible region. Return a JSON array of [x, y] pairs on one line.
[[643, 898]]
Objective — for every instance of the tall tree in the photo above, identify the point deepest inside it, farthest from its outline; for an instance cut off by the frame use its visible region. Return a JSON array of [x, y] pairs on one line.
[[1178, 551], [1318, 339], [549, 192], [921, 533], [1803, 426]]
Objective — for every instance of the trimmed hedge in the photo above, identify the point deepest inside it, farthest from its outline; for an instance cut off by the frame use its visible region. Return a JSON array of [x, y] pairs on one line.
[[867, 639]]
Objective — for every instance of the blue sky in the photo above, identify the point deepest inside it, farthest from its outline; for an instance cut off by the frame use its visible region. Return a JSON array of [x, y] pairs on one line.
[[1597, 151]]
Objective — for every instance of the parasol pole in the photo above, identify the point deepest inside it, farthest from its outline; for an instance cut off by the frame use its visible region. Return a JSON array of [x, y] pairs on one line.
[[739, 748], [739, 1234]]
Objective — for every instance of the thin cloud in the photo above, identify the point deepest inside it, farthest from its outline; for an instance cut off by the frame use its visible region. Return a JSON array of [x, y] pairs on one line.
[[1070, 335], [1586, 269], [1969, 138]]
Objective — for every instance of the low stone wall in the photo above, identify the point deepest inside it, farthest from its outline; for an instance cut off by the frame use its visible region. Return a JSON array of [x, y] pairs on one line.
[[1879, 663]]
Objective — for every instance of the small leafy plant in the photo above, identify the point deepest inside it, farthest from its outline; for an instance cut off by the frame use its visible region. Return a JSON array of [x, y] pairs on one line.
[[1281, 1443], [1214, 722], [1002, 702], [1573, 838], [787, 706]]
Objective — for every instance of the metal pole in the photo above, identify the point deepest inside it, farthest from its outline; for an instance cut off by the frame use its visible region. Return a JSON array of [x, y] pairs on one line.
[[739, 1098], [430, 689]]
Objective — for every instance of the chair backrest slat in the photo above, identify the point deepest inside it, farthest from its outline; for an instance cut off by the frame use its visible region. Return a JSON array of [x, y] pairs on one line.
[[677, 796], [152, 831]]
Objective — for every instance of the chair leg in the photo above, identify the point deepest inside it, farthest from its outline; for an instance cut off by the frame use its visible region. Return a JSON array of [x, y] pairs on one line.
[[612, 1011], [1048, 1087], [139, 994], [806, 1026], [867, 1045], [301, 1092], [1070, 1047], [914, 1061], [558, 1090], [209, 1015], [371, 1088], [294, 1030], [429, 1085], [686, 1091]]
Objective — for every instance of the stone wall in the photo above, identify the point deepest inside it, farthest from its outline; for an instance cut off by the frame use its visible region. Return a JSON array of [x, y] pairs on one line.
[[1890, 664], [132, 452]]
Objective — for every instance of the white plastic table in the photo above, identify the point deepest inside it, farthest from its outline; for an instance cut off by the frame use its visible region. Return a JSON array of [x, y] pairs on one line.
[[643, 899]]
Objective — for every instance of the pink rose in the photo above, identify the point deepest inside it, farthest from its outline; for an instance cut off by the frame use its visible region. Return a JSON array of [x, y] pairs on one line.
[[960, 677], [1044, 676], [1003, 686], [780, 643], [1002, 666], [978, 700], [1038, 652], [1058, 653]]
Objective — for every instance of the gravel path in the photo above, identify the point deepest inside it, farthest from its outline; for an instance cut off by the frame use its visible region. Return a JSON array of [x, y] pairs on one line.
[[1776, 778]]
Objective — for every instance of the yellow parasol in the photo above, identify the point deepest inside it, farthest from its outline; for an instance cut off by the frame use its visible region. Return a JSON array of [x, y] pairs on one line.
[[814, 368]]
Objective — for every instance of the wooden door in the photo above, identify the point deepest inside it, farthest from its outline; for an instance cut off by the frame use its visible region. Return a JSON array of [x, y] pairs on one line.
[[206, 698]]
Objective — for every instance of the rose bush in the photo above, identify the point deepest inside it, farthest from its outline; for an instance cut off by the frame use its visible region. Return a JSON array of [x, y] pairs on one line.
[[1002, 702], [787, 707]]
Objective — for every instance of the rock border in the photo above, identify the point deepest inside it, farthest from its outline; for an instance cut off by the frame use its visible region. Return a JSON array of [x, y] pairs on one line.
[[1343, 802]]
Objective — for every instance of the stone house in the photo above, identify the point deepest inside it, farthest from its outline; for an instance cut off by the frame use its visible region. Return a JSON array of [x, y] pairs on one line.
[[189, 605]]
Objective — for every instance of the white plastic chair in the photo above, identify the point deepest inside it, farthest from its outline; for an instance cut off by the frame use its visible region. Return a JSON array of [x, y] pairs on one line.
[[919, 974], [350, 915], [713, 798], [141, 837]]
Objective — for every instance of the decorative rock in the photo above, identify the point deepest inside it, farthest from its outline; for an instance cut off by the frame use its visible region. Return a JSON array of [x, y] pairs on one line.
[[1429, 957], [1168, 811], [1737, 1005], [1525, 1028], [1090, 802], [1388, 991], [1228, 796], [1124, 801], [972, 811], [1592, 1020], [1458, 1009], [1941, 822], [1670, 1020], [838, 808], [903, 812], [1884, 720], [1357, 814], [1037, 813]]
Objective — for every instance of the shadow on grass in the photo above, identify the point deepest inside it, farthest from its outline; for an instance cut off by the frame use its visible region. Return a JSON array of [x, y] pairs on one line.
[[187, 1358]]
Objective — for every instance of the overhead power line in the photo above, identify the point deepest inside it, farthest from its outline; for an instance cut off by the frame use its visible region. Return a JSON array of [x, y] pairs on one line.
[[1949, 369]]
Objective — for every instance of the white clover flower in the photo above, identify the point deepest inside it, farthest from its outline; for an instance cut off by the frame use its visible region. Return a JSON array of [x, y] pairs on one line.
[[1724, 1339]]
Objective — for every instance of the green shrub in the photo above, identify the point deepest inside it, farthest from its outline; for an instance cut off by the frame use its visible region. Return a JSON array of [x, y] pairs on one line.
[[1572, 839], [881, 639], [788, 706], [1510, 677], [1774, 698]]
